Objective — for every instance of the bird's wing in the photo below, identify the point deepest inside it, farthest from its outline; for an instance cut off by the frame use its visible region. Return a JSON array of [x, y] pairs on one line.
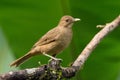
[[49, 37]]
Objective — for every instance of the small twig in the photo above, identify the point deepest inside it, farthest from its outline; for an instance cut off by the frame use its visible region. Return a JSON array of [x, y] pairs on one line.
[[53, 71], [100, 26]]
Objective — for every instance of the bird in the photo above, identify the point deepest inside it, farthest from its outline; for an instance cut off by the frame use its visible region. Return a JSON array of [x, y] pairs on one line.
[[53, 42]]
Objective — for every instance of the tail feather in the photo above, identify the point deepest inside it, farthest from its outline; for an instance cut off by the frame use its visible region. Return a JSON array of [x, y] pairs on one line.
[[20, 60]]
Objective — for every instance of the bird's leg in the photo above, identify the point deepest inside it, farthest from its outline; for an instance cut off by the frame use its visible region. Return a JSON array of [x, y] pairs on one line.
[[51, 56]]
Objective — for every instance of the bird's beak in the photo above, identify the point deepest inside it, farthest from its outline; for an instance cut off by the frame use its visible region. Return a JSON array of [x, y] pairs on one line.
[[76, 19]]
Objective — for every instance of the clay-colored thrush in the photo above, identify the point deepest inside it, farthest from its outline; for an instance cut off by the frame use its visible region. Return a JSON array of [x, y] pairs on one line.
[[53, 42]]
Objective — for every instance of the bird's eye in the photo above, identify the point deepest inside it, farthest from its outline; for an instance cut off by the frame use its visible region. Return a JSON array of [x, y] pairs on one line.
[[67, 20]]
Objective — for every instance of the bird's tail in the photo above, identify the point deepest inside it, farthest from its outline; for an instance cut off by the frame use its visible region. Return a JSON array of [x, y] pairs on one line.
[[21, 60]]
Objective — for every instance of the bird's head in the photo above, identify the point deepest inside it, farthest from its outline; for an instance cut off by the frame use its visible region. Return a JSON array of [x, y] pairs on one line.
[[67, 21]]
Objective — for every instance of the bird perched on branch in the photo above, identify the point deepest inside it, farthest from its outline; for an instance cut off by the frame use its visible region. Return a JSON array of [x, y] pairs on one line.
[[53, 42]]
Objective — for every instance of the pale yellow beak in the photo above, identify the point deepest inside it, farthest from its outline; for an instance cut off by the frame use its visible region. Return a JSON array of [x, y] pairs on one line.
[[76, 19]]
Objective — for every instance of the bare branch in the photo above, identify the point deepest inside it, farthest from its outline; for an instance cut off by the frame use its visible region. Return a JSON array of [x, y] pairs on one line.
[[95, 41]]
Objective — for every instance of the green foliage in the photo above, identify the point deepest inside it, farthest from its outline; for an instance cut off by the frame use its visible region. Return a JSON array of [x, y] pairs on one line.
[[25, 21]]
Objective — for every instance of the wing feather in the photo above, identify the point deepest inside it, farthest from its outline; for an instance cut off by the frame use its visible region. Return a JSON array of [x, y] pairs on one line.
[[49, 37]]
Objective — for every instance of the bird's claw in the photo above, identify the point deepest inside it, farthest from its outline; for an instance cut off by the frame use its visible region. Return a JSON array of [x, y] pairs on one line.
[[56, 59]]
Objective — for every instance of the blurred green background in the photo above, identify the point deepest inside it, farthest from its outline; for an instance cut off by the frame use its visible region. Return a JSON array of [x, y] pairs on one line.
[[23, 22]]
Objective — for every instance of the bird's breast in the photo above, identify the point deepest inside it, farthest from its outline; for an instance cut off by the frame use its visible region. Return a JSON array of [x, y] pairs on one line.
[[66, 38], [63, 41]]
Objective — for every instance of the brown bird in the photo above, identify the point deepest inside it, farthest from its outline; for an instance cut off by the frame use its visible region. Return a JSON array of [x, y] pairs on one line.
[[53, 42]]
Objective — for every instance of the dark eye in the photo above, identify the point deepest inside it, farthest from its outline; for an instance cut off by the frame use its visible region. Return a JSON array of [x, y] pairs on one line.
[[67, 20]]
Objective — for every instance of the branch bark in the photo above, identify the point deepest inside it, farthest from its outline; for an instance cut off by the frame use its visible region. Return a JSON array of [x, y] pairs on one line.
[[53, 70]]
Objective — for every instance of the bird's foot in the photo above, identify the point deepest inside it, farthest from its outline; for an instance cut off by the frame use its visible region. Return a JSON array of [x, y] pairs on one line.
[[57, 59]]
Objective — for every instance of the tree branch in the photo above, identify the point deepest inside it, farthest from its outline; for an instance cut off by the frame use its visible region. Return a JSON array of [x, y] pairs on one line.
[[53, 70], [95, 41]]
